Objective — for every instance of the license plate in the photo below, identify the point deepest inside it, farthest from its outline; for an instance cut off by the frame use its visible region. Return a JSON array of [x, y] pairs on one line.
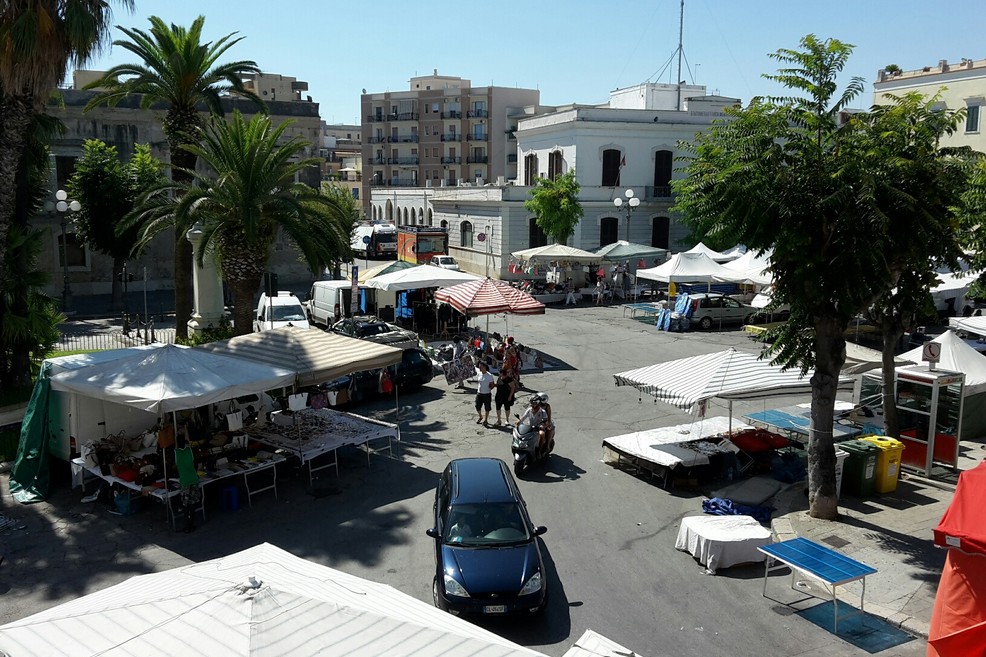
[[494, 609]]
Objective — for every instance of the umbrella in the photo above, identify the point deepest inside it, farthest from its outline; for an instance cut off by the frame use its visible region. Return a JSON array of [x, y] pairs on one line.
[[488, 297], [263, 601], [558, 252], [623, 250]]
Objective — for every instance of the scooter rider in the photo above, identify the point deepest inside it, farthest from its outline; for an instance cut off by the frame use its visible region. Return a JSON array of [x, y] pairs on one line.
[[536, 416]]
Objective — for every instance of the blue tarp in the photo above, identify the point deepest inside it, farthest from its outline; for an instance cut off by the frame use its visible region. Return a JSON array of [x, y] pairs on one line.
[[718, 506]]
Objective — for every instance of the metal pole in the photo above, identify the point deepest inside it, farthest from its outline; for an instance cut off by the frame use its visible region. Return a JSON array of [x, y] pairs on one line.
[[66, 286]]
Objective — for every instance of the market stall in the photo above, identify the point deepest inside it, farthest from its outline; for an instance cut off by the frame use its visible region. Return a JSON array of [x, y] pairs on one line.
[[559, 265]]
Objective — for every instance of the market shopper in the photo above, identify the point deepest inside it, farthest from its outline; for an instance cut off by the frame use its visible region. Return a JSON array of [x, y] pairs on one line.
[[504, 398], [484, 393], [191, 491]]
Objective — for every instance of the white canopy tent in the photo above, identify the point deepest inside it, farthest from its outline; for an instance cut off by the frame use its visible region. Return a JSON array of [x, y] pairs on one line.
[[718, 256], [975, 325], [592, 644], [861, 359], [261, 602], [556, 252], [416, 278], [686, 268], [750, 269], [730, 375]]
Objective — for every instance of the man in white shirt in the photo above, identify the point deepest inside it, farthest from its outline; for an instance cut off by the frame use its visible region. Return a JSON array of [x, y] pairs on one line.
[[484, 393], [537, 417]]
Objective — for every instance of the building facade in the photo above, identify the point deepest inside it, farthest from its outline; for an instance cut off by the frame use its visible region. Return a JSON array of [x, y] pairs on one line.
[[959, 86], [341, 153], [440, 132], [124, 126]]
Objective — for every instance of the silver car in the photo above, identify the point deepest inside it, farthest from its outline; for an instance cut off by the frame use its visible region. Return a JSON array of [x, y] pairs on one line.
[[710, 310]]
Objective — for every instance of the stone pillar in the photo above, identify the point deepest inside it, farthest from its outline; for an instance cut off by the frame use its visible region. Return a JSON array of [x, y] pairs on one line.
[[207, 303]]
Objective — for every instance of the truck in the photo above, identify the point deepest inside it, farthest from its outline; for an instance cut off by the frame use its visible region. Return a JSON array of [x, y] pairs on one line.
[[418, 244], [377, 240]]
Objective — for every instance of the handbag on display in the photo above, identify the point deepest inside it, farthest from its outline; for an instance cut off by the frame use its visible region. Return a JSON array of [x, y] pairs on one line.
[[234, 421]]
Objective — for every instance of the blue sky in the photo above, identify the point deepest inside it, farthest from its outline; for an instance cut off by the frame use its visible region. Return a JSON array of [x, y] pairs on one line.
[[573, 51]]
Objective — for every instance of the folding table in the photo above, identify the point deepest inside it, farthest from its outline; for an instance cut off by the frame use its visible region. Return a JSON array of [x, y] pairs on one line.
[[818, 562]]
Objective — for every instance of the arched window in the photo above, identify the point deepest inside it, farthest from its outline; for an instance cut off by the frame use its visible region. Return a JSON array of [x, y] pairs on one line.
[[660, 232], [535, 235], [612, 158], [663, 168], [443, 225], [530, 169], [465, 234], [554, 165], [608, 230]]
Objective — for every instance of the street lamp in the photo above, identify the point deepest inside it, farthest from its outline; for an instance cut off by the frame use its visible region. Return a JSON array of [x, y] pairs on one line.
[[64, 205], [631, 204]]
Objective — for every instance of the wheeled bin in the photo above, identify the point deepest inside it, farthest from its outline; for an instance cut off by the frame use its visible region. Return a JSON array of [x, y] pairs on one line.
[[859, 471], [887, 462]]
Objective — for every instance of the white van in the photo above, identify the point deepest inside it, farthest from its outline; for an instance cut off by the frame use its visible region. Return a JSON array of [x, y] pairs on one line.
[[375, 240], [326, 299], [275, 312]]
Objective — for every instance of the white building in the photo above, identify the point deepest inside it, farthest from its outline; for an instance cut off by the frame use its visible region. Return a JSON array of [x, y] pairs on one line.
[[961, 85], [630, 146]]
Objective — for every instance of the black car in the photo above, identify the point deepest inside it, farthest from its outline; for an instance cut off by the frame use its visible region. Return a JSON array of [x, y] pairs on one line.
[[375, 330], [487, 559], [414, 371]]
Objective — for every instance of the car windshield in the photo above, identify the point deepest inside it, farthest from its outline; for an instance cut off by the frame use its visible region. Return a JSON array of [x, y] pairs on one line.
[[386, 238], [372, 329], [288, 313], [447, 261], [486, 525]]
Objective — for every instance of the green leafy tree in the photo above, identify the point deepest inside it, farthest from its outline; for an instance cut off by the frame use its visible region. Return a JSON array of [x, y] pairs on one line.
[[343, 197], [177, 69], [556, 205], [247, 199], [107, 188], [845, 206], [38, 40]]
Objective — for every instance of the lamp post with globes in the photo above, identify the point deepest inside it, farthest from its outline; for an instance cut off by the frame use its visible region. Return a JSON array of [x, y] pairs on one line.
[[63, 205], [629, 206]]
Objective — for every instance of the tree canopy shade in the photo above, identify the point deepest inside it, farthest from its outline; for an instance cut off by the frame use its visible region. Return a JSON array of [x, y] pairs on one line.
[[847, 201], [176, 68], [556, 205], [38, 40], [246, 199]]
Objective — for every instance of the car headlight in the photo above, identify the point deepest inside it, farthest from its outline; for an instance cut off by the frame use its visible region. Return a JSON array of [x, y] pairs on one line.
[[533, 585], [452, 587]]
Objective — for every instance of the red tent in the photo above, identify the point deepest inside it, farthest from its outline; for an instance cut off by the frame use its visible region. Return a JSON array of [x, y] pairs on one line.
[[958, 621], [488, 297]]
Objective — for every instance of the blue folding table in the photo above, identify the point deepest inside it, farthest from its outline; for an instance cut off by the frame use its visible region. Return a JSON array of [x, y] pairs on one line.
[[818, 562], [795, 420]]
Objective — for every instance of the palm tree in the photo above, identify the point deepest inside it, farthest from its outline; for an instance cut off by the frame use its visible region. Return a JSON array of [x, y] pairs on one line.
[[38, 39], [246, 199], [180, 71]]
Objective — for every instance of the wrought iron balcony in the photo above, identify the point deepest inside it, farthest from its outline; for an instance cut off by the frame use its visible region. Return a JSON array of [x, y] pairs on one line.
[[378, 140], [478, 114], [404, 116], [659, 192], [452, 115], [474, 137], [407, 139], [394, 182], [403, 160], [477, 159], [452, 137], [451, 160], [378, 160]]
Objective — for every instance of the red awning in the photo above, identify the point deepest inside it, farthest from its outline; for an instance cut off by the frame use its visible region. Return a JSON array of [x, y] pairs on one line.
[[964, 524]]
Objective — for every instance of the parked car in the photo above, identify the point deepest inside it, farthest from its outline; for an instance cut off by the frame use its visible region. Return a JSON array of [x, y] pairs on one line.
[[710, 309], [414, 371], [761, 301], [445, 262], [370, 328], [487, 555], [275, 312]]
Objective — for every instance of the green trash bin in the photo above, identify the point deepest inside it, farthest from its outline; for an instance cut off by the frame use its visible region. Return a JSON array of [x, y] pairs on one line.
[[859, 471]]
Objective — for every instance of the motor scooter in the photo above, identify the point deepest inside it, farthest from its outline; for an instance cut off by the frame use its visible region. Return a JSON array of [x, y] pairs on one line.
[[525, 446]]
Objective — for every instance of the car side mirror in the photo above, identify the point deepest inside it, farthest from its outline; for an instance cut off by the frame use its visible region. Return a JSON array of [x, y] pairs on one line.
[[540, 529], [431, 531]]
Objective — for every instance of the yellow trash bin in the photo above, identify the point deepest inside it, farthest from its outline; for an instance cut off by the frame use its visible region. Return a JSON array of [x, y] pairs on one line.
[[887, 462]]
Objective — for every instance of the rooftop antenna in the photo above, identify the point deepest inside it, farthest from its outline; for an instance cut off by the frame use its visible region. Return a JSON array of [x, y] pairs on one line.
[[681, 26]]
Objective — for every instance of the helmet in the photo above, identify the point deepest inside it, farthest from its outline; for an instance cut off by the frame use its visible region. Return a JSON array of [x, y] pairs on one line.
[[539, 398]]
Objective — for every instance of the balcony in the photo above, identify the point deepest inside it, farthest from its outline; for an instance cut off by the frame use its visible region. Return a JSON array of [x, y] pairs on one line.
[[478, 114], [378, 140], [477, 159], [400, 116], [452, 115], [406, 139], [475, 137], [377, 160], [394, 182], [376, 118], [403, 160], [452, 137], [659, 192], [451, 160]]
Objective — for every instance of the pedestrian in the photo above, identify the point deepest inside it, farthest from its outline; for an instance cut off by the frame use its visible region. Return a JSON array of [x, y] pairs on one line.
[[505, 391], [458, 351], [484, 394], [600, 292], [570, 299]]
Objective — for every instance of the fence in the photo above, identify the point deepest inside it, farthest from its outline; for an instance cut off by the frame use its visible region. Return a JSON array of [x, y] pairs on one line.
[[113, 339]]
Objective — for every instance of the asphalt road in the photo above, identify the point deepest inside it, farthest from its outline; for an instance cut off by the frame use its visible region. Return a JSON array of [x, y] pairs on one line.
[[610, 544]]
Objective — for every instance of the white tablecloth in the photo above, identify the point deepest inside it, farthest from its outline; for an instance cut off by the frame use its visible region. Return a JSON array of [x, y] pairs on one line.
[[722, 541]]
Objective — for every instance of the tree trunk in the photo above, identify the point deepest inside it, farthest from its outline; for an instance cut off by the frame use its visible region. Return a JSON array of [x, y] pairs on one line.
[[243, 308], [830, 355], [892, 334], [15, 120]]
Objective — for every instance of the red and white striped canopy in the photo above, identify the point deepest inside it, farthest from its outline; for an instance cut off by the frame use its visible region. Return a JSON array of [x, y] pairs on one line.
[[488, 297]]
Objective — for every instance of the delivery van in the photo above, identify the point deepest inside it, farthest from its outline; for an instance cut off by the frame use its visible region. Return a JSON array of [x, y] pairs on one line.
[[328, 301], [283, 310]]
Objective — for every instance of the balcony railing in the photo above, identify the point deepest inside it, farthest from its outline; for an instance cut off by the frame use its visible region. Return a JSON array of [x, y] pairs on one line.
[[659, 192], [378, 140], [452, 115], [406, 139], [452, 137], [378, 160], [394, 182], [477, 159], [403, 160], [376, 118], [474, 137], [451, 160], [478, 114], [399, 116]]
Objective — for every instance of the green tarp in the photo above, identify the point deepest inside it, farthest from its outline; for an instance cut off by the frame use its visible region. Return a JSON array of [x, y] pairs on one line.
[[29, 478]]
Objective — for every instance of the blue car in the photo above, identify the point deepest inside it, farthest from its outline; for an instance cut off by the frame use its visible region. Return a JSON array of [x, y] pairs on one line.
[[487, 556]]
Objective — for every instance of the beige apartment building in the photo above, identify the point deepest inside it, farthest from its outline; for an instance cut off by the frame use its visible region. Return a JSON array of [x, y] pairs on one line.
[[960, 86], [441, 132], [342, 157]]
